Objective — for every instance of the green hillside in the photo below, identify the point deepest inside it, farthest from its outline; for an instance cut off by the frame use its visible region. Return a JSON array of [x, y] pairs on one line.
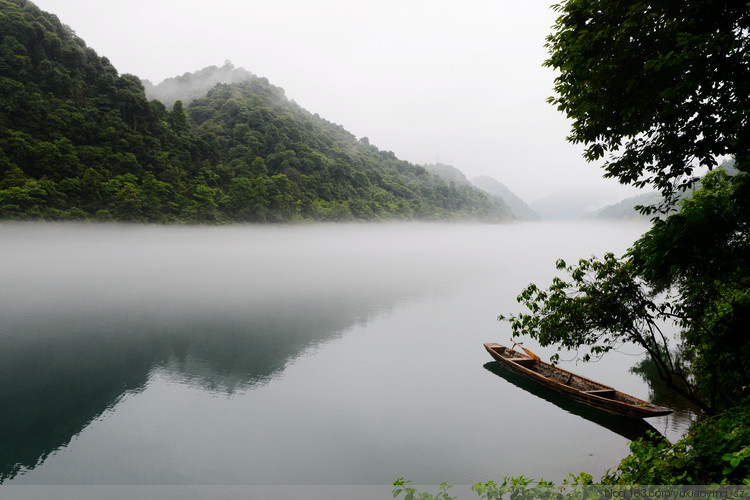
[[626, 209], [78, 141]]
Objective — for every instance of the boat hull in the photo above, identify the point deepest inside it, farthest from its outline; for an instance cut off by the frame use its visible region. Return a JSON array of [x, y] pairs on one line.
[[573, 386]]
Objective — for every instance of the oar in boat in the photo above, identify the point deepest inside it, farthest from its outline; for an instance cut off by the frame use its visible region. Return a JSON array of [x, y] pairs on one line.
[[528, 352]]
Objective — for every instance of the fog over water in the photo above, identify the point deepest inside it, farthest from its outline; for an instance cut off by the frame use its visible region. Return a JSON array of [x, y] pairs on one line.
[[342, 354]]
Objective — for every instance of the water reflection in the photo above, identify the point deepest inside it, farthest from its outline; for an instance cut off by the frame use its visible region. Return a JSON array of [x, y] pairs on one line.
[[629, 428], [90, 315], [96, 315], [684, 411], [65, 378], [53, 388], [233, 354]]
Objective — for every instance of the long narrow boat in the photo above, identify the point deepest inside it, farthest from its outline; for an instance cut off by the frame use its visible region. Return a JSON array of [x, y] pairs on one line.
[[574, 386]]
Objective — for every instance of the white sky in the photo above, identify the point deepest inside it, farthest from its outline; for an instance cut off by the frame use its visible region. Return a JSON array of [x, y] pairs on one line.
[[461, 82]]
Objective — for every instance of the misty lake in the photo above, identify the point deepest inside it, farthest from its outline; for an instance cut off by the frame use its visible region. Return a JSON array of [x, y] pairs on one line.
[[344, 354]]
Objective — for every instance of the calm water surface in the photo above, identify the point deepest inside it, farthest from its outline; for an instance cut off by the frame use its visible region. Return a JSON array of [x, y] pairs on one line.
[[325, 355]]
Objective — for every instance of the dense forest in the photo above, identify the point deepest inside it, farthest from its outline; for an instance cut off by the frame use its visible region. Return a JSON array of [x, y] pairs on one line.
[[78, 141]]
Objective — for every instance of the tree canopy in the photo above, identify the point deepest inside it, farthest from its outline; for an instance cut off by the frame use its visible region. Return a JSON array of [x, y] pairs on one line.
[[657, 88]]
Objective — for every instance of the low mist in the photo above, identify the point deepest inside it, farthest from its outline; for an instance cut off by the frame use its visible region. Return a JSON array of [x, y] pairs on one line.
[[347, 322]]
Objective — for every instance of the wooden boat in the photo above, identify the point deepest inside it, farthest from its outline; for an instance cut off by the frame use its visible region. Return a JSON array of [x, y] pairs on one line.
[[575, 387]]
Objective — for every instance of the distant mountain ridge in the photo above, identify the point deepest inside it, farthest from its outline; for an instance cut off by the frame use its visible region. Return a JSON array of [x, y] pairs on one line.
[[494, 188], [448, 173], [491, 186], [516, 204], [626, 208], [573, 203], [79, 141]]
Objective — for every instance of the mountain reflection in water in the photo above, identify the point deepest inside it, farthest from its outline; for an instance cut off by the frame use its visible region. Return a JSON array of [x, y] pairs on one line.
[[92, 321], [69, 376], [279, 355]]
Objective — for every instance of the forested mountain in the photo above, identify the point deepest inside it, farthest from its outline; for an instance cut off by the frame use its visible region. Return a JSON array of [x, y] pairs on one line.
[[626, 208], [516, 204], [457, 180], [448, 173], [191, 86], [80, 141]]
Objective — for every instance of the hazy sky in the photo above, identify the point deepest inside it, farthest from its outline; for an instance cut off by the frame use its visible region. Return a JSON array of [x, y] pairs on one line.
[[457, 82]]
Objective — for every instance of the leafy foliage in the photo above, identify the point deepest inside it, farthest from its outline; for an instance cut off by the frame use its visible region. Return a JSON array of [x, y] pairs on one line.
[[701, 253], [410, 493], [715, 451], [601, 307], [516, 488], [79, 141], [656, 88]]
